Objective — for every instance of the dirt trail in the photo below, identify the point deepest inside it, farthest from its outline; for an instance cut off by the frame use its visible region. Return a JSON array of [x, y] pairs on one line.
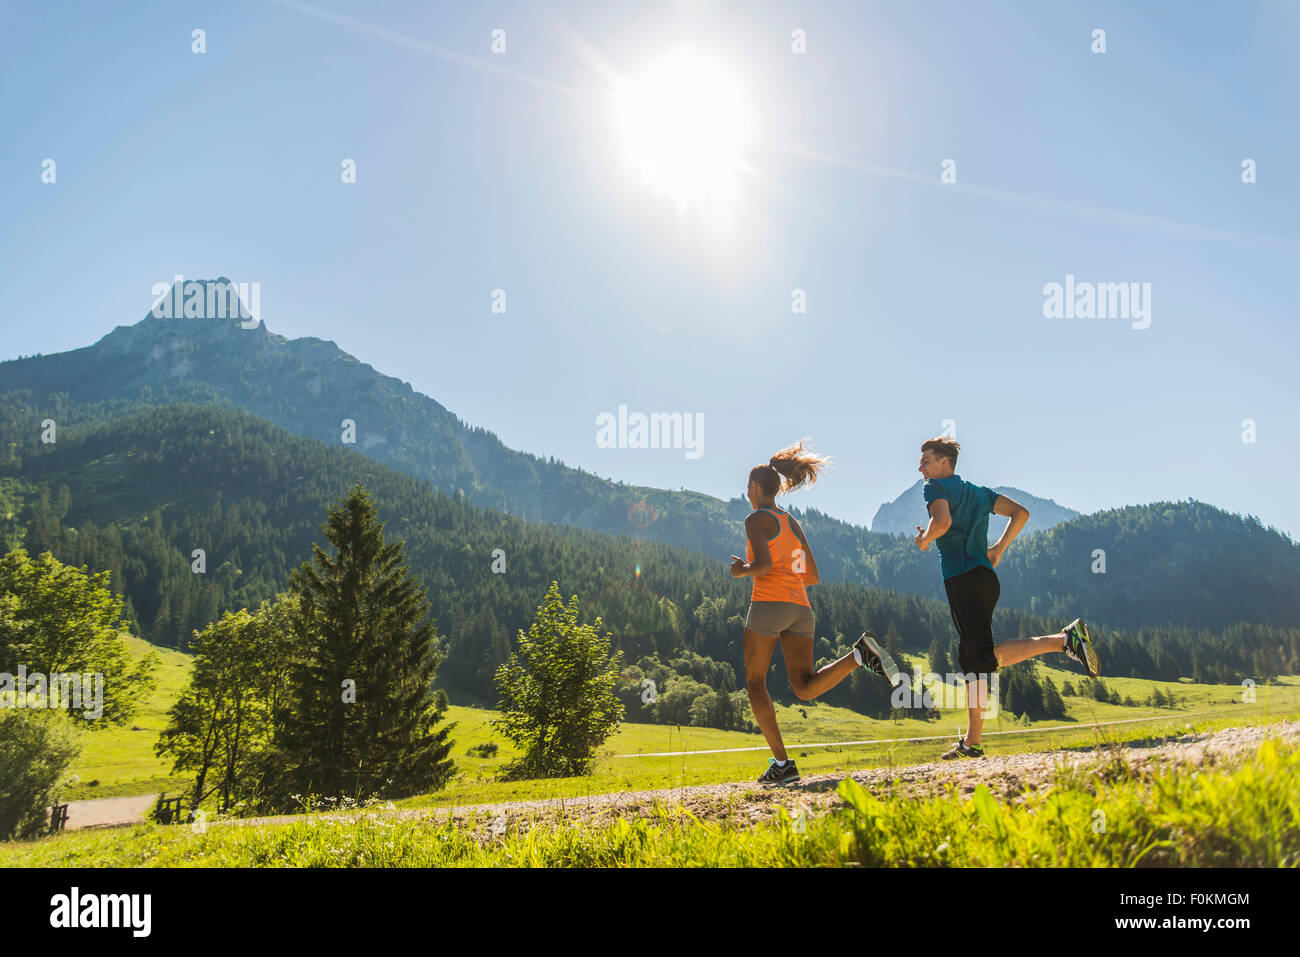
[[1010, 777], [109, 812]]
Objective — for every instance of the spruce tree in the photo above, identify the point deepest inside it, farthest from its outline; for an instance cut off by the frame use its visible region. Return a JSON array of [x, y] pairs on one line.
[[362, 713], [938, 658], [1053, 705]]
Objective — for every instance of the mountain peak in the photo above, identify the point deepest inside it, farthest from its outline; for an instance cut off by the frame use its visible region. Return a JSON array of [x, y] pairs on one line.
[[901, 515], [216, 299], [193, 308]]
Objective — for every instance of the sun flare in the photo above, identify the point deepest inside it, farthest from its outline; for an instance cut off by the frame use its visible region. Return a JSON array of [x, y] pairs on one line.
[[684, 124]]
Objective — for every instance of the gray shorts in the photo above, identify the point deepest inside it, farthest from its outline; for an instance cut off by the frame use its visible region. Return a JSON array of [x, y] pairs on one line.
[[773, 617]]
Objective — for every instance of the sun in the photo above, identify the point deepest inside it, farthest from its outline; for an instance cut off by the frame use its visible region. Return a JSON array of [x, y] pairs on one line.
[[684, 125]]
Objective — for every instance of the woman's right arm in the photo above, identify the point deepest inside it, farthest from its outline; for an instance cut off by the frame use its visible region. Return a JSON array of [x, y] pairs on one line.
[[756, 534]]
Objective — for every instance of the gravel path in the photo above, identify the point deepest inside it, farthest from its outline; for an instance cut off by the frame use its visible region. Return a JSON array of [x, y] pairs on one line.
[[107, 812], [1011, 777]]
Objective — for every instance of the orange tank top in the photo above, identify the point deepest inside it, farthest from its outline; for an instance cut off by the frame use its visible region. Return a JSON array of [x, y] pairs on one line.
[[781, 582]]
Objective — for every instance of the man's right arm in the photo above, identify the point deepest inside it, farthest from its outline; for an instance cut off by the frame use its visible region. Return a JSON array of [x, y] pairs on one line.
[[937, 527]]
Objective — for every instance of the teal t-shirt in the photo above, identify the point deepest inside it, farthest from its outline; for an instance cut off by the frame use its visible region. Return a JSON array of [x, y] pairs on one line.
[[965, 545]]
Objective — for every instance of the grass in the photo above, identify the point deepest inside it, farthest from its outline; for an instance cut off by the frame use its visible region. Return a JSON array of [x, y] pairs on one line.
[[1243, 813], [121, 758], [473, 784], [123, 762]]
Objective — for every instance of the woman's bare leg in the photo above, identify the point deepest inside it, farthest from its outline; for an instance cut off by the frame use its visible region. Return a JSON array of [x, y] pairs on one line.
[[758, 658], [808, 684]]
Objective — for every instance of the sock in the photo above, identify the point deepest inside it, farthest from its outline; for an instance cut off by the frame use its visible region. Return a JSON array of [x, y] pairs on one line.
[[781, 764], [857, 655]]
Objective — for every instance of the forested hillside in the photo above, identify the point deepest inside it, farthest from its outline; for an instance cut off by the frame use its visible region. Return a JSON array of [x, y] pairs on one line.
[[137, 496], [309, 386], [1172, 563]]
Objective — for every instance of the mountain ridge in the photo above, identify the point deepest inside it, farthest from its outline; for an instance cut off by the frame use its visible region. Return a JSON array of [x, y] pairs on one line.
[[908, 510], [309, 386], [135, 495]]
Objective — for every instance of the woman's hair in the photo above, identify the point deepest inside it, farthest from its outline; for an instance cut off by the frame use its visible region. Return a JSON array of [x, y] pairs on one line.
[[791, 468]]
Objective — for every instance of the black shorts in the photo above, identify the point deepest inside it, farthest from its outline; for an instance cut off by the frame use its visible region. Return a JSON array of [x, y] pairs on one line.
[[972, 596]]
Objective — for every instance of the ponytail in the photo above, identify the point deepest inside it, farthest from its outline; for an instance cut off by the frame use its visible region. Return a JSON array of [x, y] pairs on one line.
[[793, 467]]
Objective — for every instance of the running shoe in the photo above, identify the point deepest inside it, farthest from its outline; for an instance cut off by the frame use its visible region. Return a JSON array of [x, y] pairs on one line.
[[876, 658], [779, 775], [962, 750], [1078, 647]]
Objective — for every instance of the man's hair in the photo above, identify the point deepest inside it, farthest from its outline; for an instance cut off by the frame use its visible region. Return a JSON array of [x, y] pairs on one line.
[[943, 447]]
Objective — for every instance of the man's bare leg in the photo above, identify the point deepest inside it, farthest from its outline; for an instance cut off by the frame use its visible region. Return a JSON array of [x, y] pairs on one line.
[[1008, 653], [977, 699], [1020, 649]]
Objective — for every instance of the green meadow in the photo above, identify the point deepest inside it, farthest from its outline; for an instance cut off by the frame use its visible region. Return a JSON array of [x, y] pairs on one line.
[[1243, 812], [122, 761]]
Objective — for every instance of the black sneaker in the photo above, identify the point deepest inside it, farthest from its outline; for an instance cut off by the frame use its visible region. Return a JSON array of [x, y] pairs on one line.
[[1078, 647], [779, 775], [962, 750], [876, 658]]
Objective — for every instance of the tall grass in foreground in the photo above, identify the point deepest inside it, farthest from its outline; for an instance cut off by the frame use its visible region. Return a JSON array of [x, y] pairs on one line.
[[1243, 814]]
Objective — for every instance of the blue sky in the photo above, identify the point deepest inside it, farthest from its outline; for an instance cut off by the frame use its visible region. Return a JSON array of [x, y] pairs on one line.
[[479, 171]]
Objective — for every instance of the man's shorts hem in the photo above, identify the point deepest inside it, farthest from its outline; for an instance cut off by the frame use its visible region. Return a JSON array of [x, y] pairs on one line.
[[977, 659]]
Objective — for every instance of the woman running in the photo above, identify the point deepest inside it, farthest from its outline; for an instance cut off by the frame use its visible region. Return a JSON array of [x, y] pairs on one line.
[[782, 565]]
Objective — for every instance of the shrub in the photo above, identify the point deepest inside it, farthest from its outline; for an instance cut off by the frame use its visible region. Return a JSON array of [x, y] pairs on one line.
[[36, 748]]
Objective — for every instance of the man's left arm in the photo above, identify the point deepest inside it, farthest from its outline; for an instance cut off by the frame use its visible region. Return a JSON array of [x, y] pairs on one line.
[[1018, 515]]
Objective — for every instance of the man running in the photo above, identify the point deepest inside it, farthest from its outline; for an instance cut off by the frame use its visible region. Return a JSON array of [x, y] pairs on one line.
[[959, 523], [781, 563]]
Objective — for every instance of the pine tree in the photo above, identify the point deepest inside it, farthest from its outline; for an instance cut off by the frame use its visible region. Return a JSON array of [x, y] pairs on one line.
[[938, 658], [1165, 666], [362, 714], [893, 642], [1053, 705]]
